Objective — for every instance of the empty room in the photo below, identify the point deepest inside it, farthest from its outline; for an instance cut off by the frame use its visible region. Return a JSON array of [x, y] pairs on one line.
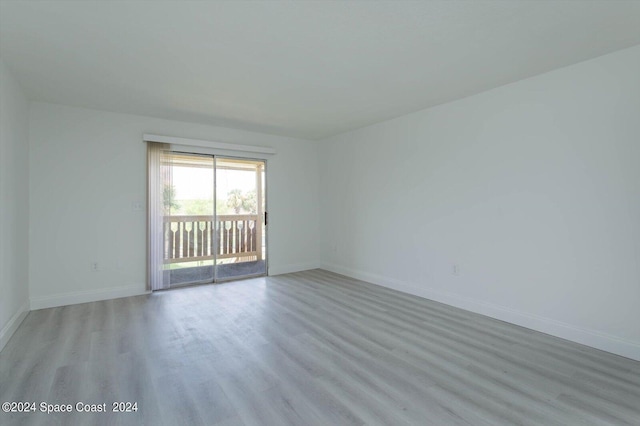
[[320, 212]]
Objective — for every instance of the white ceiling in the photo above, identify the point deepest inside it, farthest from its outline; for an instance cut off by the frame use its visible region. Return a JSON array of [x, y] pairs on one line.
[[303, 69]]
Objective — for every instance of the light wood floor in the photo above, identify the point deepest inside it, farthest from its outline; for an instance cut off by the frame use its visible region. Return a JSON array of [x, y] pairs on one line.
[[311, 348]]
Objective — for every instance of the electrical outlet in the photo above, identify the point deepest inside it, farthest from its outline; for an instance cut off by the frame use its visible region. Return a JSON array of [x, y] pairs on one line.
[[136, 207], [95, 267]]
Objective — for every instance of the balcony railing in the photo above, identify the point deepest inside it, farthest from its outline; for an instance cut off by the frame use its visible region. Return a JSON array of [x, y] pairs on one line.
[[194, 238]]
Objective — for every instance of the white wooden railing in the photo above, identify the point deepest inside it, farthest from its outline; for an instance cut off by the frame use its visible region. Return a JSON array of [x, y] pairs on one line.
[[193, 238]]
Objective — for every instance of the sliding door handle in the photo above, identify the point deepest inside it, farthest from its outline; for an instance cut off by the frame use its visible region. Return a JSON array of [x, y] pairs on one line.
[[265, 218]]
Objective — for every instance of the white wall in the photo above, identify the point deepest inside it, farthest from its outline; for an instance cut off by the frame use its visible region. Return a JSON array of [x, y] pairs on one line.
[[533, 189], [88, 167], [14, 186]]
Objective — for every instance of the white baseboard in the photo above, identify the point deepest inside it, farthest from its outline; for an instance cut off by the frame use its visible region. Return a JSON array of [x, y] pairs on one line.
[[294, 267], [593, 338], [84, 296], [13, 324]]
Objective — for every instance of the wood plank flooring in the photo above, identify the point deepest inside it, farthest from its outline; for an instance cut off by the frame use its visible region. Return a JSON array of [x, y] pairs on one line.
[[310, 348]]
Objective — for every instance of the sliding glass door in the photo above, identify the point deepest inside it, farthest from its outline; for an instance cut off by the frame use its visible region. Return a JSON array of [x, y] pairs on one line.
[[212, 219]]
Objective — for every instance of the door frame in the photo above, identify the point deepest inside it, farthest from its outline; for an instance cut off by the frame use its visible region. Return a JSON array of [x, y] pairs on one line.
[[214, 157]]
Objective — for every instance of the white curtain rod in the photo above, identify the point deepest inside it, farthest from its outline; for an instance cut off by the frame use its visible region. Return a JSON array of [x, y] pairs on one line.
[[207, 144]]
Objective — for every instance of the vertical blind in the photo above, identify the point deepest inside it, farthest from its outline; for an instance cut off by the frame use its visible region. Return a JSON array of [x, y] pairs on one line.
[[159, 178]]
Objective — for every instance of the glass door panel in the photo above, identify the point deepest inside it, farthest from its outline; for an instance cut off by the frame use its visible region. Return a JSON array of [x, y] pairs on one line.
[[240, 218], [189, 200]]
